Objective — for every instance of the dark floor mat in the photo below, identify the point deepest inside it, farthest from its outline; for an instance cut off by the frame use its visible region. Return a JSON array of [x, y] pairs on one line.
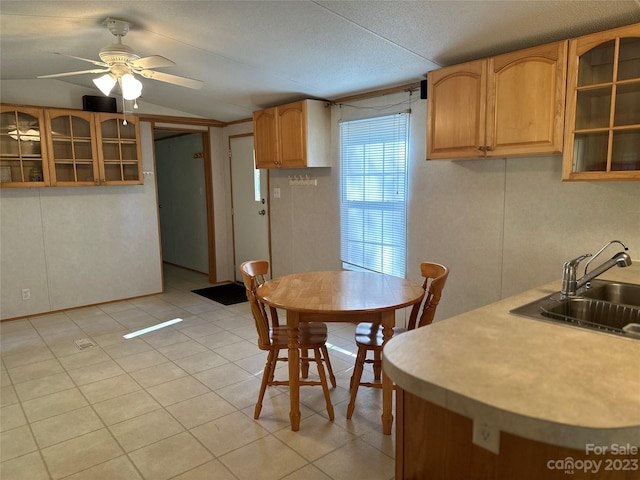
[[227, 294]]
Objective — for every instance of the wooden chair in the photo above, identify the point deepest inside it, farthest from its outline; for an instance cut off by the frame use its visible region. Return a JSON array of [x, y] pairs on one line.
[[275, 338], [369, 335]]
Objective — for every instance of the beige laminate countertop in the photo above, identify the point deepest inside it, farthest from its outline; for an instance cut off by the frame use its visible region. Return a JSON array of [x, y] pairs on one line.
[[540, 380]]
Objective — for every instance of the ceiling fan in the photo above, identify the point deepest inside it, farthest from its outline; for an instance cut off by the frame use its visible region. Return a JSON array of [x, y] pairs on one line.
[[120, 63]]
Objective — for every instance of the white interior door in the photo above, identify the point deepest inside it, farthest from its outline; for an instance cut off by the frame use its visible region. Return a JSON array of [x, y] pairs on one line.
[[250, 209]]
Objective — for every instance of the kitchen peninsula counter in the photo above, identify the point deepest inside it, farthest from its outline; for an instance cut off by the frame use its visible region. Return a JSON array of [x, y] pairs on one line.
[[543, 381]]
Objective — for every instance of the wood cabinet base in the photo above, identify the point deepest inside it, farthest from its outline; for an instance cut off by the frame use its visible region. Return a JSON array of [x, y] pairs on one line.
[[435, 443]]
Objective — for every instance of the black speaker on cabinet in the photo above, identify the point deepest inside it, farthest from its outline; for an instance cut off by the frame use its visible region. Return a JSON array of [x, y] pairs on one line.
[[423, 89], [92, 103]]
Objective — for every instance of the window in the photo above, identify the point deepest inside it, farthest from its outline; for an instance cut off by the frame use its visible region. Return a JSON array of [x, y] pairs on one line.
[[373, 191]]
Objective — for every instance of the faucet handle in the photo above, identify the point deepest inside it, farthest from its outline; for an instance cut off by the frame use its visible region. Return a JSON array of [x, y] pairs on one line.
[[577, 260], [569, 281]]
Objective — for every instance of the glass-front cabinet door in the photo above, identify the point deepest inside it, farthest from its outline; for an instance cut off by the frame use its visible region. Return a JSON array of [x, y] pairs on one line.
[[22, 147], [41, 147], [119, 150], [602, 136], [72, 148]]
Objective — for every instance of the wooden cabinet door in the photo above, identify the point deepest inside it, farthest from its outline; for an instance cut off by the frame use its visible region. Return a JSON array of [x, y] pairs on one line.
[[23, 147], [73, 159], [602, 133], [120, 160], [295, 135], [456, 106], [265, 138], [434, 442], [525, 101], [292, 137]]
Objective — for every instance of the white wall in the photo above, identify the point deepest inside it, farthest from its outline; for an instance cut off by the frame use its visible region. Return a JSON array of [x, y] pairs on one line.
[[76, 246], [79, 246], [501, 225]]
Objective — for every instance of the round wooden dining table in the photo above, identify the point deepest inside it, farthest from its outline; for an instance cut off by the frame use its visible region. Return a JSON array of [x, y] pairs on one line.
[[338, 296]]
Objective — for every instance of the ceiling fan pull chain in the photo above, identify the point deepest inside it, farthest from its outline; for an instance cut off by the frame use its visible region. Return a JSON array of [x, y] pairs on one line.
[[124, 113]]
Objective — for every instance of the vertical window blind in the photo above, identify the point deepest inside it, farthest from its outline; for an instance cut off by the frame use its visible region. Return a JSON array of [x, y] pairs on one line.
[[373, 191]]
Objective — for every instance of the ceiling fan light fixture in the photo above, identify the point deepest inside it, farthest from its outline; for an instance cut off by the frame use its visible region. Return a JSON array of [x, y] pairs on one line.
[[131, 87], [27, 135], [118, 62], [105, 83]]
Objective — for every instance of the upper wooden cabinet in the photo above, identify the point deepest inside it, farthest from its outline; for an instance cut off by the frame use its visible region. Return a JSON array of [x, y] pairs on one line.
[[294, 135], [456, 111], [602, 136], [526, 100], [120, 159], [72, 147], [59, 147], [265, 138], [23, 149], [511, 104]]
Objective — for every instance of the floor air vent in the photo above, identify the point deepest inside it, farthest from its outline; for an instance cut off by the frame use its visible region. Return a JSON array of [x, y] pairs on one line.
[[84, 344]]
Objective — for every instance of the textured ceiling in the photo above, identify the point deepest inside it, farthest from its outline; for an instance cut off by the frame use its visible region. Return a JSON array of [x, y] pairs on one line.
[[254, 54]]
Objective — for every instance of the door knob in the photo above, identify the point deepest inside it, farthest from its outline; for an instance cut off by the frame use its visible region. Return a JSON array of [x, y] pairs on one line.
[[261, 212]]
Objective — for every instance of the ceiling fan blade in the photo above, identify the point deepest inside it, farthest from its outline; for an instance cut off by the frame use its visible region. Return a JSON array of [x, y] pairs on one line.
[[95, 62], [174, 79], [54, 75], [153, 61]]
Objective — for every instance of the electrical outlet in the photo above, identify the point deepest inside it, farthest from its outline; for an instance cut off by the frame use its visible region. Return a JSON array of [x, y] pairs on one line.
[[276, 193], [26, 294], [486, 436]]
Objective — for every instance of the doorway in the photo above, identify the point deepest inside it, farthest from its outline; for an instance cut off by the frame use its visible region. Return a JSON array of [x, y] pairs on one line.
[[183, 175], [249, 196]]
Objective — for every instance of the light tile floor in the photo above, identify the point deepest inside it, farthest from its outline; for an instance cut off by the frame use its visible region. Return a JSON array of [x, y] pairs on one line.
[[176, 403]]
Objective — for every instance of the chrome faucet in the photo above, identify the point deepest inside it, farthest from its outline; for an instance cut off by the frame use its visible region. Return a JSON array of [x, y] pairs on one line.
[[570, 284]]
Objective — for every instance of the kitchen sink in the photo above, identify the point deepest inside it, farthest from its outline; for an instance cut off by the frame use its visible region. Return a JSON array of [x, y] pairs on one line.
[[597, 312], [611, 307], [614, 292]]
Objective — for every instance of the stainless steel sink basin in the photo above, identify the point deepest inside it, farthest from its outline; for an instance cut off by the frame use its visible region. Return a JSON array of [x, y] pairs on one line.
[[610, 307], [614, 292], [597, 312]]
